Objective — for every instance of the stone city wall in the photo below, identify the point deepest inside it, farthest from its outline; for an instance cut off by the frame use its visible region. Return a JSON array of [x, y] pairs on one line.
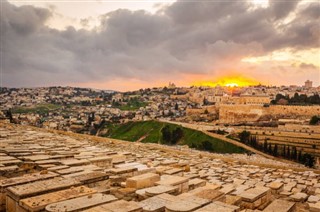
[[179, 97], [253, 113], [198, 111], [300, 128]]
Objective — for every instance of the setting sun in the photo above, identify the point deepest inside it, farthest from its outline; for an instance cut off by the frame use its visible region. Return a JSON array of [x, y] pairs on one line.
[[232, 85], [228, 81]]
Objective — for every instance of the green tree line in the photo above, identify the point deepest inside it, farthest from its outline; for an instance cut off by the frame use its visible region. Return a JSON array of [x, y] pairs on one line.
[[297, 99], [277, 150]]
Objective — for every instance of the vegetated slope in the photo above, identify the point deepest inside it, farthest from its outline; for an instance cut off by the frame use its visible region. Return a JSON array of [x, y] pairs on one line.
[[39, 108], [152, 131]]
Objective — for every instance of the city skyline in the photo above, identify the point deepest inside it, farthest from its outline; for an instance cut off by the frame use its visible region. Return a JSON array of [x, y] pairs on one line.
[[129, 45]]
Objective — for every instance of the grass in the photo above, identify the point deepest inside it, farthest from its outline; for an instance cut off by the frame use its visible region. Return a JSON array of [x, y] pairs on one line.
[[132, 104], [132, 107], [135, 106], [39, 109], [150, 132]]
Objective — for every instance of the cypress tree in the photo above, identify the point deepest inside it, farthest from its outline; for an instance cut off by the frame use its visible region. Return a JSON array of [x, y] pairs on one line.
[[255, 141], [269, 149], [294, 153], [288, 152], [284, 151], [265, 145], [300, 157], [275, 150], [308, 160]]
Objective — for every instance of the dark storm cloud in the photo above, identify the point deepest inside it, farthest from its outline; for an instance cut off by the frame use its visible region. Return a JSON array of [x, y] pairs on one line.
[[281, 9], [186, 37], [23, 20], [203, 12]]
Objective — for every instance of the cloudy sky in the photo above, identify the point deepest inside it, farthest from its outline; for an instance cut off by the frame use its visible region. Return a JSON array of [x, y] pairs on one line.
[[125, 45]]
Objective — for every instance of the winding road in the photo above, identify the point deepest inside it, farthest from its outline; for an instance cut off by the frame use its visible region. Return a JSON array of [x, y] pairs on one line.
[[205, 128]]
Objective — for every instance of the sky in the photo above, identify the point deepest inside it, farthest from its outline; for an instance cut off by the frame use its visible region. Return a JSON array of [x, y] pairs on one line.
[[126, 45]]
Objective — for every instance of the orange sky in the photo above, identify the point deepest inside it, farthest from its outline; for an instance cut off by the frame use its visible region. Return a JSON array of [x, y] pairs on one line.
[[128, 45]]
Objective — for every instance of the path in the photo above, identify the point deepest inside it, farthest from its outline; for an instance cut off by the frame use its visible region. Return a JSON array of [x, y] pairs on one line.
[[205, 128]]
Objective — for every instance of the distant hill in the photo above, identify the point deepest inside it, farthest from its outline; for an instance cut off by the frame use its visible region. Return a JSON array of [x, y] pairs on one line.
[[152, 132]]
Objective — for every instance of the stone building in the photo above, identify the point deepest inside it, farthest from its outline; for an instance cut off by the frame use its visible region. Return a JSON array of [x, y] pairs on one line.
[[308, 84]]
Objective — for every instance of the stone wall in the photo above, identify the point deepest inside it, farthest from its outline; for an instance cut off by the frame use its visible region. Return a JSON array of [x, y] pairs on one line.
[[179, 97], [300, 128], [253, 113], [198, 111]]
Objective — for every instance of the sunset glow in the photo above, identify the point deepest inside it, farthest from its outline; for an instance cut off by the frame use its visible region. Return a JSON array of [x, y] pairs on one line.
[[129, 45], [232, 84], [228, 81]]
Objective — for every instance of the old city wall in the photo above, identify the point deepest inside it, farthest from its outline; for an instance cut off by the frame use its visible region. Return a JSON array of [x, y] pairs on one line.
[[300, 128], [239, 113], [179, 97], [198, 111], [253, 113]]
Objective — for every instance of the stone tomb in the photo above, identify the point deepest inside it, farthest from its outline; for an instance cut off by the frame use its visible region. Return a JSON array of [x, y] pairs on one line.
[[123, 172], [141, 168], [90, 178], [186, 203], [209, 191], [276, 187], [19, 181], [160, 189], [196, 183], [81, 203], [219, 207], [156, 203], [76, 169], [38, 203], [255, 198], [118, 206], [181, 182], [142, 181], [102, 161], [279, 205], [16, 193]]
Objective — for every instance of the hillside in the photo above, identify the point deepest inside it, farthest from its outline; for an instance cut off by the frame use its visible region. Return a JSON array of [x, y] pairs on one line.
[[151, 132]]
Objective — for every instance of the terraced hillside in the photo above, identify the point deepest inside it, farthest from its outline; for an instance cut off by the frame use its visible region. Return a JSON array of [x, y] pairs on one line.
[[304, 142]]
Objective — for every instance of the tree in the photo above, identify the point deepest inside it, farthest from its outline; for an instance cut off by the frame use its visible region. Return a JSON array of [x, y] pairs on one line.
[[295, 98], [205, 101], [166, 134], [300, 157], [275, 150], [265, 145], [244, 136], [254, 142], [314, 120], [282, 102], [90, 118], [9, 115], [176, 107], [171, 137], [269, 148], [288, 152], [294, 153], [280, 96], [207, 145], [308, 160], [177, 134], [284, 151]]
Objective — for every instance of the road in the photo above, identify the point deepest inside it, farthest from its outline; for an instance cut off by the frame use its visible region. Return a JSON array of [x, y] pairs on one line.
[[205, 128]]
